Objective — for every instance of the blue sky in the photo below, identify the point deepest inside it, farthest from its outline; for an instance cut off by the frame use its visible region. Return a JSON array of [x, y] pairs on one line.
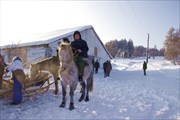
[[110, 19]]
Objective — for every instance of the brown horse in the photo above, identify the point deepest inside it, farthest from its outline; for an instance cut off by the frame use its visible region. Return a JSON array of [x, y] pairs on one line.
[[107, 68], [2, 67], [69, 75], [49, 64]]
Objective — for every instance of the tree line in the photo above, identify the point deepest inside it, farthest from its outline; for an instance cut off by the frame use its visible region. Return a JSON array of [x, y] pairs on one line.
[[126, 48]]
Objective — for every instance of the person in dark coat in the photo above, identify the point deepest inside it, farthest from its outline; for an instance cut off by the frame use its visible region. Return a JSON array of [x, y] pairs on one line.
[[144, 68], [96, 65], [80, 48], [18, 75]]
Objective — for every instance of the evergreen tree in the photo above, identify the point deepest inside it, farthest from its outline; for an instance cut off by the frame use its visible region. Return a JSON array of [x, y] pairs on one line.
[[130, 47]]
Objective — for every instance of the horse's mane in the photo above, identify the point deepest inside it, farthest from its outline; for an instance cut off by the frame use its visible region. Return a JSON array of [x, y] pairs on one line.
[[67, 47]]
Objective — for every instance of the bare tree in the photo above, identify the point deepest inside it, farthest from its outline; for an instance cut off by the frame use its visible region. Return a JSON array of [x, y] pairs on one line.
[[172, 43]]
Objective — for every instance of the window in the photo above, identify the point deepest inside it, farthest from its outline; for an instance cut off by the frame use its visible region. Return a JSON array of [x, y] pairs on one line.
[[95, 51]]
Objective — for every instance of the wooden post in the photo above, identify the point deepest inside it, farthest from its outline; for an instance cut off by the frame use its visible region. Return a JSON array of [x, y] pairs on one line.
[[147, 50]]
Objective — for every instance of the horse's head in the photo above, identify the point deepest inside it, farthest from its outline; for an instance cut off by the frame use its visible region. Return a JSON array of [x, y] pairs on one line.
[[65, 54], [33, 70]]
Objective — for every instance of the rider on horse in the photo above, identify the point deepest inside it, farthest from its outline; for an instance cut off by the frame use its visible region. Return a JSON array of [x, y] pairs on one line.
[[80, 46]]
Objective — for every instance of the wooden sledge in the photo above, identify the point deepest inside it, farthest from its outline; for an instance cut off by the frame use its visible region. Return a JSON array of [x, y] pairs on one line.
[[40, 84]]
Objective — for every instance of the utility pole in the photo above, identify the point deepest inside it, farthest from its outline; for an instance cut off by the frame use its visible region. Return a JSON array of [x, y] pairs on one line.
[[147, 50]]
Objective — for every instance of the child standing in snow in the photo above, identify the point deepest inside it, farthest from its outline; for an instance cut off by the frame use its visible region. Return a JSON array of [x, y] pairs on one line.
[[16, 67]]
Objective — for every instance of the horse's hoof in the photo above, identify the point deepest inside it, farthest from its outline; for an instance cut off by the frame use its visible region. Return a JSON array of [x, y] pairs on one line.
[[71, 106], [55, 92], [62, 105], [87, 99], [81, 98]]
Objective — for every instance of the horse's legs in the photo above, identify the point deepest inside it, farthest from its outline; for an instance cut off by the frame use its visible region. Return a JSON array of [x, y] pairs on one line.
[[63, 103], [71, 106], [108, 73], [105, 74], [87, 92], [0, 83], [56, 85], [83, 86], [1, 75]]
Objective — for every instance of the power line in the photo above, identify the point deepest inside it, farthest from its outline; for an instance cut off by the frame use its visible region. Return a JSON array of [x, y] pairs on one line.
[[136, 15], [126, 14]]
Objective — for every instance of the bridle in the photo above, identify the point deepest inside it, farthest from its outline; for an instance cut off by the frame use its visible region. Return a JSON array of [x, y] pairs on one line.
[[68, 62]]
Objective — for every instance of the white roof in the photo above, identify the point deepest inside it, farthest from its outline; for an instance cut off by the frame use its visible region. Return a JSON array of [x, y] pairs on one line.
[[46, 38]]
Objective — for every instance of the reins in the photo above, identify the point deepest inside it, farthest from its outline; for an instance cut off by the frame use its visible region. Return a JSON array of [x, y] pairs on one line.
[[76, 53]]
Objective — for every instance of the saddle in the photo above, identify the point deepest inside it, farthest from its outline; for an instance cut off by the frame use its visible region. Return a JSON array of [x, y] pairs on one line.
[[85, 63]]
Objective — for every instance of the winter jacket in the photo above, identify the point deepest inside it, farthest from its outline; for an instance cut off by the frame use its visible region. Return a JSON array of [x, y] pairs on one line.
[[16, 67], [144, 65], [82, 45], [96, 64], [17, 64]]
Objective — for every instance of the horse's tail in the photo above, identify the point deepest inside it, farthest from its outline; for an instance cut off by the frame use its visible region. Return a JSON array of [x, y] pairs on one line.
[[91, 83], [90, 78]]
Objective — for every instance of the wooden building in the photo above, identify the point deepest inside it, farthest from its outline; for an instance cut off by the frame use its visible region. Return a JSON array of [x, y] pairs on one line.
[[45, 45]]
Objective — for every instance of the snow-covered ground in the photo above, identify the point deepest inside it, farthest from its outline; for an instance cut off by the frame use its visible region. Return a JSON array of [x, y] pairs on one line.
[[126, 94]]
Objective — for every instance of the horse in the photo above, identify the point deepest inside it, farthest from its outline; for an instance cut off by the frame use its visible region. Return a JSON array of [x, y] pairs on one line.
[[107, 68], [2, 67], [49, 64], [69, 75]]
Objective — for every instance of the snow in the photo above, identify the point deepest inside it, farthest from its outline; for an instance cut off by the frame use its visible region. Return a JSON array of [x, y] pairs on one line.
[[127, 94]]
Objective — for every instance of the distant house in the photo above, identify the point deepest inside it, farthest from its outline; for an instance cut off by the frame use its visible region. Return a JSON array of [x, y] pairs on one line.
[[45, 45]]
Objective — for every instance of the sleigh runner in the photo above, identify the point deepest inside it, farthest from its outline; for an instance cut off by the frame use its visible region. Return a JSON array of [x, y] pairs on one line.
[[40, 84]]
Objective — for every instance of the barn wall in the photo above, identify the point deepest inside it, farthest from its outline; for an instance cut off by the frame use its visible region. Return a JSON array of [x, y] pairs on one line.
[[93, 41], [35, 52]]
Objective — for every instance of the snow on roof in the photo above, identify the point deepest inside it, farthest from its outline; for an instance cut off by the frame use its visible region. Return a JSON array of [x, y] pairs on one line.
[[48, 37]]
